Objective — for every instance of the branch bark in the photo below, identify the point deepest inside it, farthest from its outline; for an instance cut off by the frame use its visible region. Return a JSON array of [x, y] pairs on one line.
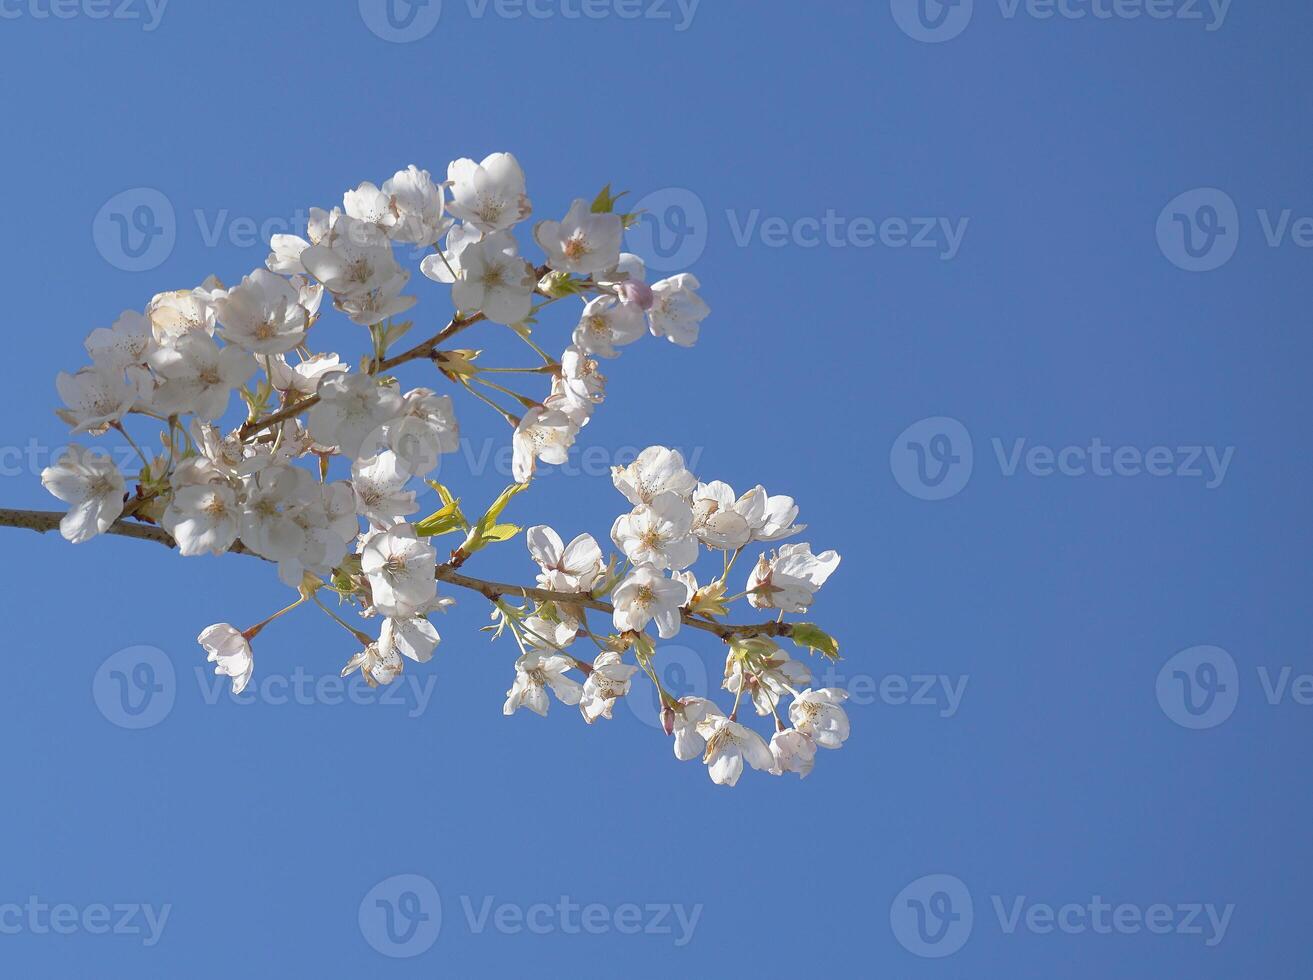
[[42, 521]]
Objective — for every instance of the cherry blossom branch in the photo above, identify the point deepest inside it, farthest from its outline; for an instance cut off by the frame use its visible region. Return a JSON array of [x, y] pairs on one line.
[[423, 349], [43, 521]]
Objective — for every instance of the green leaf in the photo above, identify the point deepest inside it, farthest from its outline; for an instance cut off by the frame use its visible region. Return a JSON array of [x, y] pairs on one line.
[[487, 530], [501, 532], [813, 637], [442, 491], [443, 521], [605, 201]]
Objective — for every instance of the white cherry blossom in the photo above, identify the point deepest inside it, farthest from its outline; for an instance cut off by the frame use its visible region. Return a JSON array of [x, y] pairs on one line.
[[489, 195], [328, 524], [677, 310], [376, 665], [445, 266], [203, 518], [183, 311], [819, 714], [94, 397], [608, 680], [717, 521], [351, 408], [230, 651], [92, 485], [412, 636], [425, 429], [542, 433], [687, 714], [769, 518], [199, 376], [495, 281], [573, 567], [535, 672], [647, 596], [789, 579], [303, 377], [582, 242], [270, 499], [124, 344], [729, 746], [656, 469], [658, 533], [379, 483], [399, 566], [263, 314], [608, 323], [418, 205], [793, 751]]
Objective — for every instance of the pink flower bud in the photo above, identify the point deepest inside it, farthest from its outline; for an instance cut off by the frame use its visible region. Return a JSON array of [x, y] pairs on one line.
[[633, 291]]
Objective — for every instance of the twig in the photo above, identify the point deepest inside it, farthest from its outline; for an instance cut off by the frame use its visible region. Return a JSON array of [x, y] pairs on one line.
[[42, 521]]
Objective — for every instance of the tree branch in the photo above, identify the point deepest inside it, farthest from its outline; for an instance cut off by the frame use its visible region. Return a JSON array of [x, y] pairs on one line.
[[42, 521]]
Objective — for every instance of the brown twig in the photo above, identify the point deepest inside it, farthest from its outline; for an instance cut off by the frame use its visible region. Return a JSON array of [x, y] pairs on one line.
[[42, 521]]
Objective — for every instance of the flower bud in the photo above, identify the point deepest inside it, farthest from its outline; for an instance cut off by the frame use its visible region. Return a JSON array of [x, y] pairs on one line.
[[633, 291]]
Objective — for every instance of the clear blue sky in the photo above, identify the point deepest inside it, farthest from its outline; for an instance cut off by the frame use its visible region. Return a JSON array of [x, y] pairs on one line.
[[1048, 304]]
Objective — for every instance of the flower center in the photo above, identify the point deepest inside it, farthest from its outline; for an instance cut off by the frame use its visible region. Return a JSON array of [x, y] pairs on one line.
[[576, 248]]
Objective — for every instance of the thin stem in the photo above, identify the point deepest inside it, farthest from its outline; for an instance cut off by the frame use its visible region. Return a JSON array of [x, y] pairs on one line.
[[364, 638], [251, 632], [514, 420], [124, 433]]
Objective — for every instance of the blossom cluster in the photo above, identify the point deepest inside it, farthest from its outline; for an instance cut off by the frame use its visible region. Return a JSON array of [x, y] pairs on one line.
[[673, 519], [272, 448]]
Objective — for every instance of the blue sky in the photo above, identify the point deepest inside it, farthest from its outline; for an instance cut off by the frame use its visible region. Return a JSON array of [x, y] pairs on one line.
[[1012, 297]]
